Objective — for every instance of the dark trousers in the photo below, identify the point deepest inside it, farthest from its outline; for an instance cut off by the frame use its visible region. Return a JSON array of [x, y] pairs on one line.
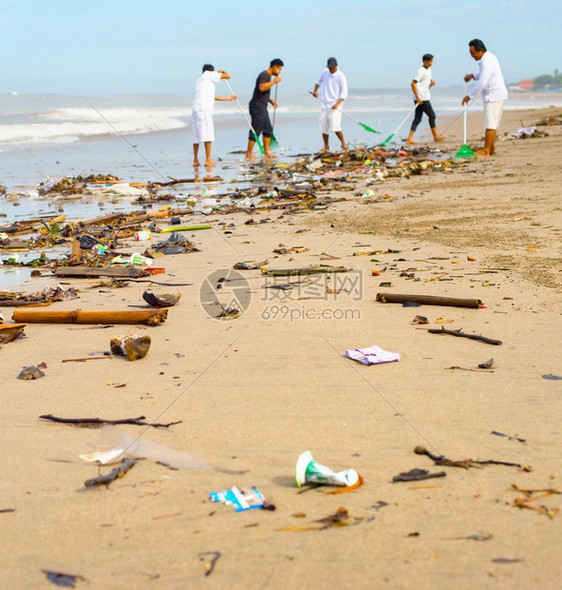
[[424, 107], [260, 121]]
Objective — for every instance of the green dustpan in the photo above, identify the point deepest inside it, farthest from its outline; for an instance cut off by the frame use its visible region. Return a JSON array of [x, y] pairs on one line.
[[465, 152]]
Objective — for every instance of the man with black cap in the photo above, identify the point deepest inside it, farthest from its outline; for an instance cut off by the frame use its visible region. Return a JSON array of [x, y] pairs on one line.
[[333, 86], [258, 108], [421, 85]]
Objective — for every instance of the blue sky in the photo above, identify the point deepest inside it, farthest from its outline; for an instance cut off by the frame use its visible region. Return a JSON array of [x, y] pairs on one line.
[[125, 46]]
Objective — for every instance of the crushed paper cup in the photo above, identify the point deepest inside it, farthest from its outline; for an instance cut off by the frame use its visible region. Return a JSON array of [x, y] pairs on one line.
[[372, 355], [310, 471]]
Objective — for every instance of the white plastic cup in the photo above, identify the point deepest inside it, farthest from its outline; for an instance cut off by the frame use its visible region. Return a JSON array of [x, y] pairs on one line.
[[142, 235]]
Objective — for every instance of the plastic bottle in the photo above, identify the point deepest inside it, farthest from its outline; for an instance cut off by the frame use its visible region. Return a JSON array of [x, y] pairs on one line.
[[142, 235]]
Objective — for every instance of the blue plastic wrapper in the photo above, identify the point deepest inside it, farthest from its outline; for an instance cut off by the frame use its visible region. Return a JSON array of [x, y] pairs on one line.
[[241, 499]]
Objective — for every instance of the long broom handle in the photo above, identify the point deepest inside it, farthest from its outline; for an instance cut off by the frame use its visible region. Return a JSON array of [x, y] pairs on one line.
[[404, 120], [275, 110], [464, 115], [243, 113]]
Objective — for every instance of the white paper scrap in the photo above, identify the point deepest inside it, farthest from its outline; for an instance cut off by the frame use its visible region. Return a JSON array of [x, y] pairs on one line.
[[372, 355]]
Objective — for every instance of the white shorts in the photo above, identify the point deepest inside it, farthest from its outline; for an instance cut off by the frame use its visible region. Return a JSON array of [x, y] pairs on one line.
[[330, 121], [493, 114], [202, 127]]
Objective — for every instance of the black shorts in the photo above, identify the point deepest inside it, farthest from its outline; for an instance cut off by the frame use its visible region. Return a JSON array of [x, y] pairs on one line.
[[424, 107], [260, 122]]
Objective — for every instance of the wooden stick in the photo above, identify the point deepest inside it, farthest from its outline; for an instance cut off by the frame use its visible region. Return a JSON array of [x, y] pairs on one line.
[[90, 271], [464, 335], [84, 359], [140, 421], [152, 317], [428, 300], [112, 475]]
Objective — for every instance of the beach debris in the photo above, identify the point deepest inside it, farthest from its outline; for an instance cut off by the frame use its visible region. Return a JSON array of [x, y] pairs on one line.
[[64, 580], [10, 332], [151, 317], [187, 228], [106, 357], [242, 499], [443, 330], [372, 355], [464, 463], [117, 444], [309, 471], [73, 185], [417, 475], [95, 422], [486, 365], [529, 497], [249, 265], [474, 537], [420, 319], [175, 244], [41, 298], [108, 271], [339, 518], [525, 132], [116, 473], [162, 300], [134, 347], [285, 272], [506, 560], [428, 300], [143, 235], [508, 436], [210, 563], [551, 377], [31, 372]]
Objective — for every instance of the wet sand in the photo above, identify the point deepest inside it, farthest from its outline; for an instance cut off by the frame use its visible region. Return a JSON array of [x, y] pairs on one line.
[[255, 392]]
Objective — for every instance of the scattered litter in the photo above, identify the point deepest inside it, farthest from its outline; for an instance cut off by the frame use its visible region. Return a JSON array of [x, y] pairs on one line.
[[95, 422], [151, 317], [508, 436], [134, 347], [118, 444], [464, 463], [116, 473], [420, 319], [417, 475], [29, 373], [65, 580], [552, 377], [506, 560], [486, 365], [242, 499], [428, 300], [163, 300], [464, 335], [309, 471], [210, 564], [372, 355]]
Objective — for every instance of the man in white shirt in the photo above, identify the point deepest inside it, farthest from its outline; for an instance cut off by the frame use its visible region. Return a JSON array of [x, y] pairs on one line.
[[333, 86], [202, 127], [421, 85], [489, 83]]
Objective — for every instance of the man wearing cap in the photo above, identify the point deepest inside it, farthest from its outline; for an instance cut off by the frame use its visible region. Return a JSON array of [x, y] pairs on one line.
[[333, 85], [489, 83], [421, 85], [258, 108]]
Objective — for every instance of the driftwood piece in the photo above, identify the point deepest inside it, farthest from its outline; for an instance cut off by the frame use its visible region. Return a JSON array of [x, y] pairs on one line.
[[287, 272], [152, 317], [443, 330], [140, 421], [112, 475], [90, 271], [428, 300], [464, 463], [186, 180]]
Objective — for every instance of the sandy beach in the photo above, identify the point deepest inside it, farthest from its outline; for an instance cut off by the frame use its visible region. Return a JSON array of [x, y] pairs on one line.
[[255, 392]]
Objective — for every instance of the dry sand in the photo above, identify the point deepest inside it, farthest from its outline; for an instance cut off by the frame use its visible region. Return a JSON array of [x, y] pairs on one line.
[[255, 392]]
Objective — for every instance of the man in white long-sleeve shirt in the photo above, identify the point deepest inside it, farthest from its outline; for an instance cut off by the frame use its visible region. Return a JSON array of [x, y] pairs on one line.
[[333, 85], [489, 83]]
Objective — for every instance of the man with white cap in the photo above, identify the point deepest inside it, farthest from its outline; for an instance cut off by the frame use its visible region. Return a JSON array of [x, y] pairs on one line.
[[333, 91]]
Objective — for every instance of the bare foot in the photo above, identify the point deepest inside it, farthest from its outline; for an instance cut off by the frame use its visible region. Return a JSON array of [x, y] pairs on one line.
[[250, 157], [344, 147], [482, 154], [270, 155], [196, 162], [210, 163], [411, 142], [324, 151], [440, 137]]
